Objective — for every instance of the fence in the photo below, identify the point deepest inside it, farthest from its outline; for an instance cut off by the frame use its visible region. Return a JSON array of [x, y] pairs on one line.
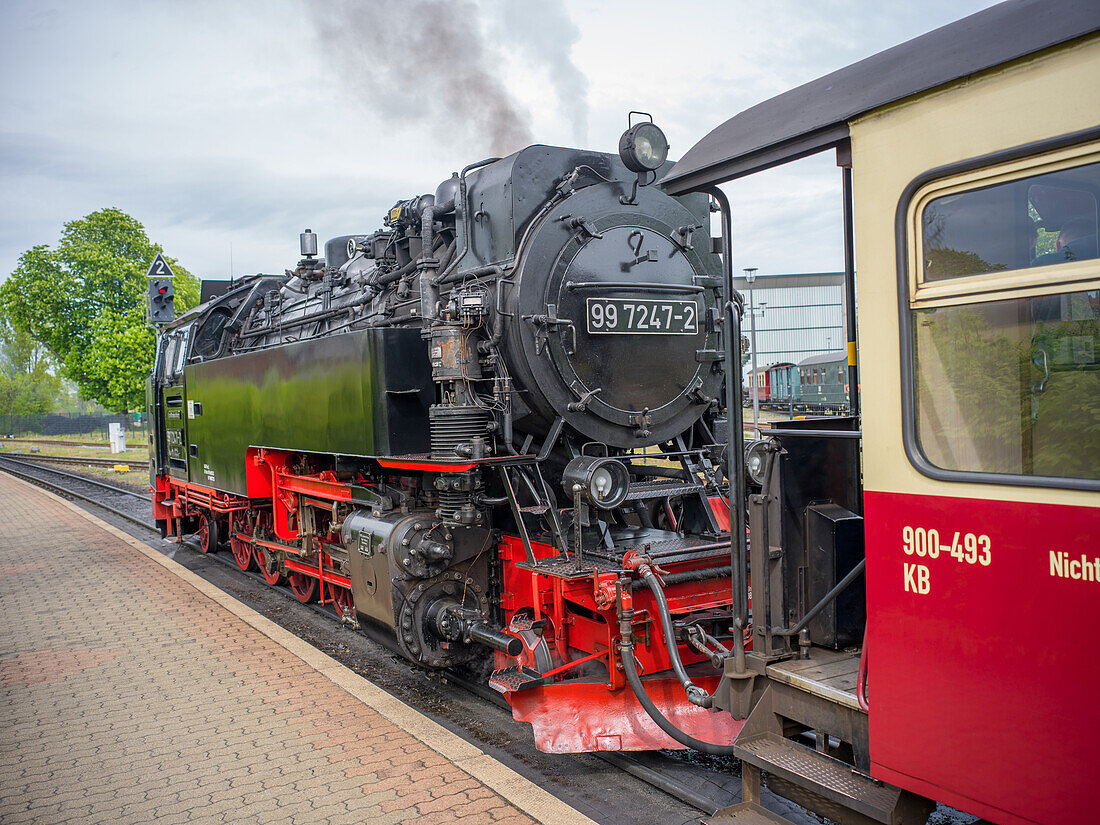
[[71, 424]]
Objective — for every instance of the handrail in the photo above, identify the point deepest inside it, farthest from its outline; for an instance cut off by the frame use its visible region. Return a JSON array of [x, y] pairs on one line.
[[735, 456], [634, 285], [838, 433]]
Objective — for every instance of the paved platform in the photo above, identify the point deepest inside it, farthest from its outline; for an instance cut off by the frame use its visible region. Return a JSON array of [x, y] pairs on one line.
[[132, 691]]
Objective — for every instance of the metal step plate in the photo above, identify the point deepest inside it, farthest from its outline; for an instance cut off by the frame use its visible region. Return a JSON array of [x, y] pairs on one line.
[[821, 774], [641, 490], [830, 674], [513, 678]]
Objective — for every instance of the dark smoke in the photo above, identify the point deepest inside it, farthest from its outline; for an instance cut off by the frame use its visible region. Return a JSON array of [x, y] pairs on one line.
[[423, 60]]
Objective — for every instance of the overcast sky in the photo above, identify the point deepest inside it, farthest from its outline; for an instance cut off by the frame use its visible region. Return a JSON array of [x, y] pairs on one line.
[[234, 125]]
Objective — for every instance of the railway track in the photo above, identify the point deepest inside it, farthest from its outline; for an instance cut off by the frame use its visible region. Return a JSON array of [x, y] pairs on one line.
[[90, 461], [685, 777], [56, 441]]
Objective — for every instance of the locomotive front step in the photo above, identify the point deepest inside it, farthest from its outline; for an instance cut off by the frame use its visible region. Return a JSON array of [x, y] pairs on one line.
[[821, 775], [509, 679], [642, 490], [817, 779]]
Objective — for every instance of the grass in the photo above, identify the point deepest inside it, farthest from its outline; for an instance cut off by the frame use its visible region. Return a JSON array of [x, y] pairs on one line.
[[136, 479]]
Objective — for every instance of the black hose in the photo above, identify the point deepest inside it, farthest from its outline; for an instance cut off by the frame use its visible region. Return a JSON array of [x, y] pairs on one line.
[[700, 575], [643, 514], [686, 739], [398, 274], [695, 694], [658, 472]]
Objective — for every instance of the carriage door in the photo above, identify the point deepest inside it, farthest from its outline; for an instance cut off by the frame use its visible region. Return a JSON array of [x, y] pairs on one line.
[[175, 402]]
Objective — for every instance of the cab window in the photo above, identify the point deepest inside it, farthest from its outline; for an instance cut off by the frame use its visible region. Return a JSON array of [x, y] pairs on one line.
[[1007, 368]]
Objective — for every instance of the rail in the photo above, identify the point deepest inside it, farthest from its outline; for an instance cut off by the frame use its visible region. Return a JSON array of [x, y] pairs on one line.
[[66, 492], [89, 460]]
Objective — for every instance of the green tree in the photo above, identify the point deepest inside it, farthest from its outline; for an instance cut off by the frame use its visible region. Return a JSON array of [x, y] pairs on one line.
[[85, 303], [27, 387]]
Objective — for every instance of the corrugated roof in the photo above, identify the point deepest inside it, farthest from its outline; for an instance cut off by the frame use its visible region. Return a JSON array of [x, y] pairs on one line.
[[823, 359], [807, 279], [815, 116]]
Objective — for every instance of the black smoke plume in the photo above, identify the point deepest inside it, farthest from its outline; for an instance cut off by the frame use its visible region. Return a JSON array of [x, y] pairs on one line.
[[424, 61]]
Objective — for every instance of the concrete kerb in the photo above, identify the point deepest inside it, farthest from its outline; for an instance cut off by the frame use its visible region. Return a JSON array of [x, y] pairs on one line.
[[514, 788]]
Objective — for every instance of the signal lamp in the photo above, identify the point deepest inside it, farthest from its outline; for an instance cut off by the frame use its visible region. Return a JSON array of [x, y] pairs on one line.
[[604, 481]]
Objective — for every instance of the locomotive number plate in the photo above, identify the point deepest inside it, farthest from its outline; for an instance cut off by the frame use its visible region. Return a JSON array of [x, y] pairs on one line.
[[631, 316]]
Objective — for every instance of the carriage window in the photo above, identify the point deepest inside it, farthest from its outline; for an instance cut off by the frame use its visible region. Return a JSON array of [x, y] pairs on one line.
[[1035, 221], [1011, 384]]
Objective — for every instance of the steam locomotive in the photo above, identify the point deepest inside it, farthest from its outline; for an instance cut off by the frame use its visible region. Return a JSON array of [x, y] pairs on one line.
[[492, 426]]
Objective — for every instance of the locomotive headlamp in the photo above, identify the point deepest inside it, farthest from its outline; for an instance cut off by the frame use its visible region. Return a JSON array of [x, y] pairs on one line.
[[604, 482], [756, 460], [643, 147]]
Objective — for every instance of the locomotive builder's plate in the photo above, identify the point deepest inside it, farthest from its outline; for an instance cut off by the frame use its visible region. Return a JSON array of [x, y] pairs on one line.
[[642, 315]]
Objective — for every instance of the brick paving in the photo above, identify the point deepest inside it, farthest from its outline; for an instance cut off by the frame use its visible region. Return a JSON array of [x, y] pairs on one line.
[[127, 696]]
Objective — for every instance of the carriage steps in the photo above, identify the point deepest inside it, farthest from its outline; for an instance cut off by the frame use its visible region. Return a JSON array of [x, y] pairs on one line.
[[815, 780]]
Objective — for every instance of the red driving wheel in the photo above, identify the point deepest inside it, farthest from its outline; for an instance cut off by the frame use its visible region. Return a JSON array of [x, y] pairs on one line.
[[341, 600], [207, 534], [268, 562], [242, 547], [304, 587]]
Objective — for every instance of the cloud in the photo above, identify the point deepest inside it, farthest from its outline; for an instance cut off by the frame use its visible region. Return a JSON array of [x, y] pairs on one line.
[[235, 201]]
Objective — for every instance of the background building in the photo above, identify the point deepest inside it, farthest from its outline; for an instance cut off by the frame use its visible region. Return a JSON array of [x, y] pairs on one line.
[[797, 316]]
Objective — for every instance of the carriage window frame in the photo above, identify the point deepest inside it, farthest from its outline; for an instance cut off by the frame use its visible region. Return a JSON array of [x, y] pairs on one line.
[[914, 293]]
